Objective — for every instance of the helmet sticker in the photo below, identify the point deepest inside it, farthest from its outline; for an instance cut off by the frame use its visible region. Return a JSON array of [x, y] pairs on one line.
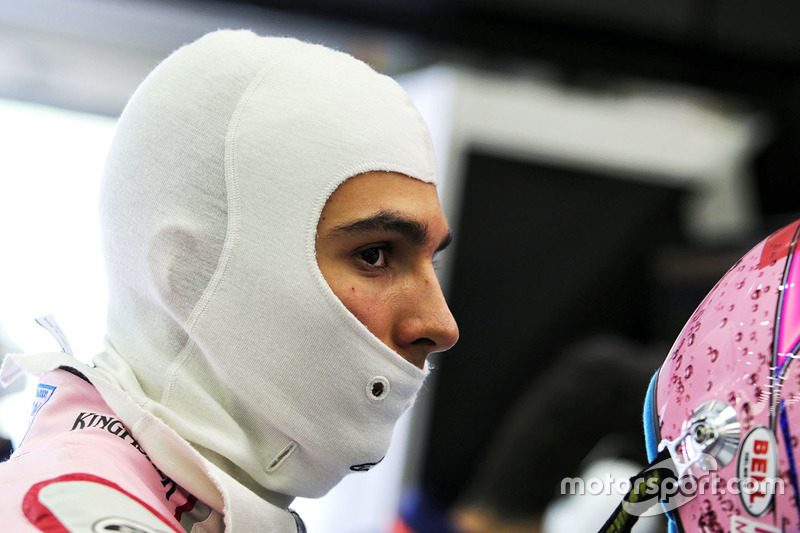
[[778, 245], [743, 525], [757, 470]]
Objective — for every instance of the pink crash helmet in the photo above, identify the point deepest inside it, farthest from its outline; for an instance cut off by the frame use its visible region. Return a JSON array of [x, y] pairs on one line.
[[721, 417]]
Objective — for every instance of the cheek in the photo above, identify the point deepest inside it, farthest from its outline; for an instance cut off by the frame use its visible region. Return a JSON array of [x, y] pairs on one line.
[[370, 309]]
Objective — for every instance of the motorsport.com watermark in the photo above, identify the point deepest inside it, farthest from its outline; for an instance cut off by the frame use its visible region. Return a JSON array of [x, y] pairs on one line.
[[672, 493]]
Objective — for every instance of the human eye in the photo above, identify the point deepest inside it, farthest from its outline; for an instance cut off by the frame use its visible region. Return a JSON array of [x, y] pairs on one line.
[[374, 256]]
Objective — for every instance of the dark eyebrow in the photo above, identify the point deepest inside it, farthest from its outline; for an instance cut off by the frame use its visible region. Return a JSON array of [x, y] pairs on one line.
[[416, 232]]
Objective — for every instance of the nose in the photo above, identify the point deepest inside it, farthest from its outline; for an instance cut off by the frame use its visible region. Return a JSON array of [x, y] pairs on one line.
[[427, 325]]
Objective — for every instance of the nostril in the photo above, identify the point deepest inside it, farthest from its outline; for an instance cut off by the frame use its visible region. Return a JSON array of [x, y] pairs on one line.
[[424, 341]]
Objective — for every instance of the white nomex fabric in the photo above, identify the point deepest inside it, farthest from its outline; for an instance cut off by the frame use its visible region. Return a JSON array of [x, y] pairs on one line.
[[220, 323]]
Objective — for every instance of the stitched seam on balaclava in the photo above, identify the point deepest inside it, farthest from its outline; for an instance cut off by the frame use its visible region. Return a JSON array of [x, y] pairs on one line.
[[232, 230], [322, 284]]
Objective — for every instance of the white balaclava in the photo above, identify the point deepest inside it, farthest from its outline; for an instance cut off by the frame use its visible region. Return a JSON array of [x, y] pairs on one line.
[[219, 321]]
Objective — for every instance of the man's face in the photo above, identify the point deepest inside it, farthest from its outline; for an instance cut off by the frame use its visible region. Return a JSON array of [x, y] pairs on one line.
[[377, 238]]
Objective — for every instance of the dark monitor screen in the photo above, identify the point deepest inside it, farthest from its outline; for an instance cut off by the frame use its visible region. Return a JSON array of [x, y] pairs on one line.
[[544, 255]]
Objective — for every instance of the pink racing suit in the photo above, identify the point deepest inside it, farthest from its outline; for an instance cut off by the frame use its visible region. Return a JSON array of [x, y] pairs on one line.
[[79, 469]]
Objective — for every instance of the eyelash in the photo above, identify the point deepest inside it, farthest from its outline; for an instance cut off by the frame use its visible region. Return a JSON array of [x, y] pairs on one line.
[[386, 254]]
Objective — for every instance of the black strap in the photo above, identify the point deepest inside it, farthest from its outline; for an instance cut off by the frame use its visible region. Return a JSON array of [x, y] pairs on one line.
[[75, 372], [644, 492], [301, 527]]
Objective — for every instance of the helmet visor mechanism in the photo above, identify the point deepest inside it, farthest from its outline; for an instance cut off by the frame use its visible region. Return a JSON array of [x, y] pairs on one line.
[[709, 441]]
